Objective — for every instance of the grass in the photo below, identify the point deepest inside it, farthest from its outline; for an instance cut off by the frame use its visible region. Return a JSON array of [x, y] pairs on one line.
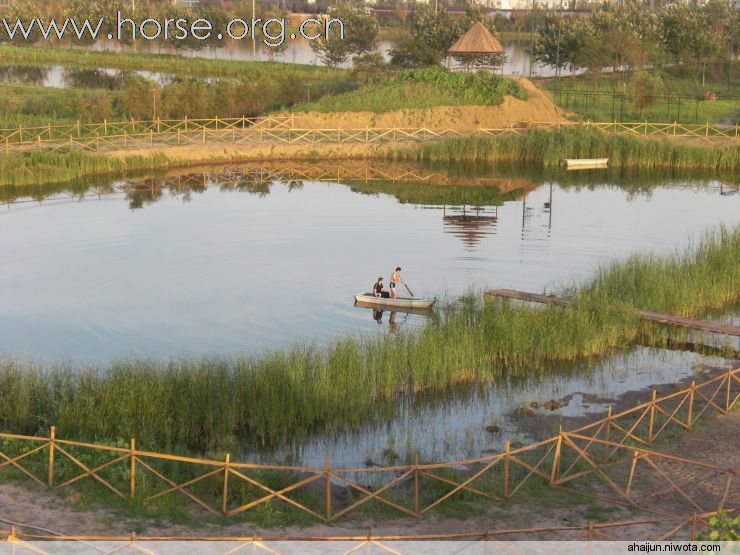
[[42, 166], [691, 110], [211, 403], [549, 148], [29, 105], [420, 89], [164, 63]]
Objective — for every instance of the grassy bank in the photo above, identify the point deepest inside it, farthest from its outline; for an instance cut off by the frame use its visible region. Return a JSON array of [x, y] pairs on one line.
[[549, 148], [170, 64], [608, 100], [37, 167], [210, 403], [420, 89]]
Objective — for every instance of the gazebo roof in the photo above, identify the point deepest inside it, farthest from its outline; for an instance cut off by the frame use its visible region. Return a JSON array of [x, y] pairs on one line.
[[478, 40]]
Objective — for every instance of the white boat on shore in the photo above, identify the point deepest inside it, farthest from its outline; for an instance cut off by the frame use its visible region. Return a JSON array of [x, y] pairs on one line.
[[586, 163], [400, 302]]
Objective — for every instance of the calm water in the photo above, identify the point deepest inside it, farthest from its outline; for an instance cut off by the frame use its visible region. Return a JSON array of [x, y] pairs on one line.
[[460, 426], [298, 52], [222, 263]]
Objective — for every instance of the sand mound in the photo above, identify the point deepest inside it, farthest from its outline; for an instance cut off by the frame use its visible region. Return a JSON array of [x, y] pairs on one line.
[[538, 107]]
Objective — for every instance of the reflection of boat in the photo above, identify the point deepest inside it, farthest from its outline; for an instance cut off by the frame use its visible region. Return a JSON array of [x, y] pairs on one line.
[[586, 163], [402, 303]]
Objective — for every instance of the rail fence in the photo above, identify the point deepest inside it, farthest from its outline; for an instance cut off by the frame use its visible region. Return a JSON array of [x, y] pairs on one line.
[[609, 459], [659, 529], [140, 135]]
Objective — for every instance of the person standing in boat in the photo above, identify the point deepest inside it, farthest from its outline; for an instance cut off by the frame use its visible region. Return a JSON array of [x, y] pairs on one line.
[[396, 279]]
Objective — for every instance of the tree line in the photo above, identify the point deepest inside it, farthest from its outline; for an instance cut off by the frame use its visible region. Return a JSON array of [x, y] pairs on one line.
[[697, 40]]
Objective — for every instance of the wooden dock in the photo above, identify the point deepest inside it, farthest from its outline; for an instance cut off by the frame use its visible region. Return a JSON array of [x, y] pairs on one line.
[[660, 318]]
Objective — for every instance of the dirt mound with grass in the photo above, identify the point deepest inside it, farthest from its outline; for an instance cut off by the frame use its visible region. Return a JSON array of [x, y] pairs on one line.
[[537, 107]]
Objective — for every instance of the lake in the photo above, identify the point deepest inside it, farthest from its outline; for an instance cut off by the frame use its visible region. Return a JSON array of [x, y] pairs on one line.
[[243, 259]]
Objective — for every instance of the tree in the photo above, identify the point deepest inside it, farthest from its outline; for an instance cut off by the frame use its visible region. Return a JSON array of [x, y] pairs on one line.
[[594, 55], [644, 90], [690, 35], [138, 97], [431, 34], [360, 36], [561, 40]]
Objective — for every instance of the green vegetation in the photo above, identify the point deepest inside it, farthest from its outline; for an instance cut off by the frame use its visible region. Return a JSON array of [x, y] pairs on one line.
[[286, 393], [163, 63], [419, 89], [41, 166], [722, 528], [430, 194], [682, 99], [549, 148], [140, 98], [696, 39]]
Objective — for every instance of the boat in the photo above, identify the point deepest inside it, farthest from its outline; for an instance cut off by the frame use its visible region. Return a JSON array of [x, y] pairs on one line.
[[586, 163], [371, 301]]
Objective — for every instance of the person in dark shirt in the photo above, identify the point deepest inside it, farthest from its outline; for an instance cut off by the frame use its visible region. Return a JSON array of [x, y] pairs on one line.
[[378, 289]]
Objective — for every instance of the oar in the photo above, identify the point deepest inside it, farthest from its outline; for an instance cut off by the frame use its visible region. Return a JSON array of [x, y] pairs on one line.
[[407, 289]]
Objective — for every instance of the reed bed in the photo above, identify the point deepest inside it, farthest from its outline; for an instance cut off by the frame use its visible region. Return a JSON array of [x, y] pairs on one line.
[[41, 166], [211, 403], [550, 148]]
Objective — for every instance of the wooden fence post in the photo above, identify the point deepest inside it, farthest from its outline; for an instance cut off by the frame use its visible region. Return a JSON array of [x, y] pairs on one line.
[[691, 404], [608, 433], [729, 387], [651, 422], [556, 459], [416, 484], [52, 437], [327, 477], [507, 449], [132, 485], [225, 501], [79, 130], [590, 535]]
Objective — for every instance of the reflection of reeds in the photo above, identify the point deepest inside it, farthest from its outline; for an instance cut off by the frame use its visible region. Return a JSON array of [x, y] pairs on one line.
[[212, 402], [549, 148]]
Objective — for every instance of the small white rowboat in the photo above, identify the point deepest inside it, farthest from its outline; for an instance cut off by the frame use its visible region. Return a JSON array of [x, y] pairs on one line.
[[400, 302], [586, 163]]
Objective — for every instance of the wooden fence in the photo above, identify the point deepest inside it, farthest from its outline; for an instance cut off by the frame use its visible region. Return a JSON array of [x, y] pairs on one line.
[[288, 130], [607, 459], [660, 529]]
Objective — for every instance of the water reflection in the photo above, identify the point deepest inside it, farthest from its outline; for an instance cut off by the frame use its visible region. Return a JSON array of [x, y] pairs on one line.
[[161, 266], [67, 77], [474, 420]]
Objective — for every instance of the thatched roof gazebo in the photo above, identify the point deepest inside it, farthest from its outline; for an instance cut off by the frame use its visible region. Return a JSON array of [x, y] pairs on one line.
[[477, 49]]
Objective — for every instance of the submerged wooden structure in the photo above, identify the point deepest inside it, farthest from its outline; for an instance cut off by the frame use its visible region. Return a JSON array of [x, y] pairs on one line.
[[658, 317]]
